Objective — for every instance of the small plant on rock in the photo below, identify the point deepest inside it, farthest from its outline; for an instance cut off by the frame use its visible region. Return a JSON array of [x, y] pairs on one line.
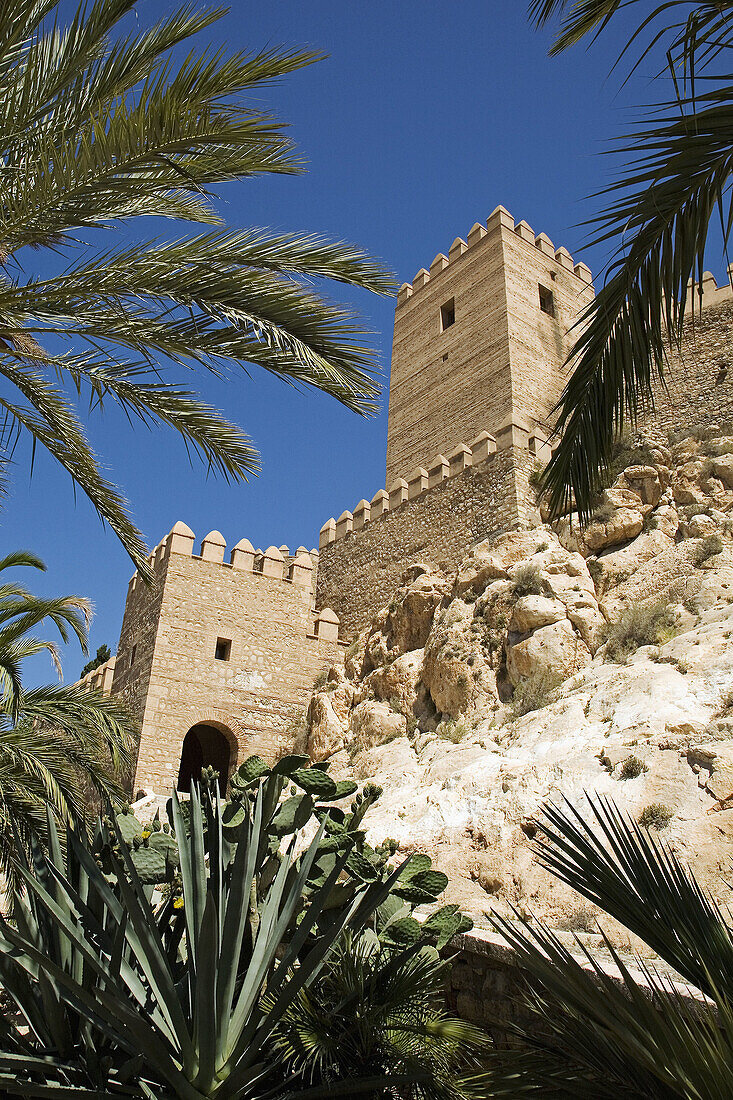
[[710, 547], [650, 624], [655, 816], [527, 580], [453, 730], [535, 692], [632, 767]]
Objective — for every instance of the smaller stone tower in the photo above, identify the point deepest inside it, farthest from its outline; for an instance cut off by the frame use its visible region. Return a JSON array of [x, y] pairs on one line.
[[217, 658], [480, 341]]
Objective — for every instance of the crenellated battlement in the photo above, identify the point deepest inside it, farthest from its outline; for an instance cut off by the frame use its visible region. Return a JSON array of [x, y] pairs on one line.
[[514, 433], [277, 563], [499, 219], [100, 678], [708, 293]]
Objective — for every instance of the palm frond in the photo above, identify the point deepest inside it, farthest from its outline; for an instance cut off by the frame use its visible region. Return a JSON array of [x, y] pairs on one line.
[[97, 127], [679, 181]]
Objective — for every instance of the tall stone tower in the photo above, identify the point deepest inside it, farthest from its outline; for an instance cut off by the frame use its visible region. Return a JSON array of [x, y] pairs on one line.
[[480, 340]]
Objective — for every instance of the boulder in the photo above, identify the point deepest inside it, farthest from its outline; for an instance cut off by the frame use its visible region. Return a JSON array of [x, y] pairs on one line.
[[624, 525], [645, 482], [374, 723], [397, 682], [531, 612], [412, 611], [325, 730], [616, 566], [555, 650], [723, 468], [455, 670]]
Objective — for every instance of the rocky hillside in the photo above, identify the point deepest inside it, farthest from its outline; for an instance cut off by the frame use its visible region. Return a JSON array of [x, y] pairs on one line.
[[550, 663]]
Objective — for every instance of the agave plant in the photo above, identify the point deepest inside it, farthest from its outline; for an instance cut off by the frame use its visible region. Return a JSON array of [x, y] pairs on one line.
[[127, 993], [643, 1036], [675, 187], [103, 124]]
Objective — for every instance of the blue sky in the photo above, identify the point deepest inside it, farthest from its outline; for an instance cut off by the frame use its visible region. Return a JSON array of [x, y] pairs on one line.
[[426, 115]]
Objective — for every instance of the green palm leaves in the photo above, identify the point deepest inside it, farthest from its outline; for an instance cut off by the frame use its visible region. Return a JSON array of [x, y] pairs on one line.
[[378, 1010], [659, 217], [97, 129], [640, 1038], [59, 746]]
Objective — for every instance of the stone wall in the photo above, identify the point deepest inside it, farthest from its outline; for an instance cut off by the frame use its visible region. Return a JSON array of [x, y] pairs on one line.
[[700, 380], [359, 571], [167, 669], [487, 983]]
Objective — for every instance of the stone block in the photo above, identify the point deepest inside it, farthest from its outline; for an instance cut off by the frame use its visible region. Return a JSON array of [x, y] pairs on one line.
[[213, 547], [481, 447], [344, 524], [362, 514], [525, 231], [500, 216], [302, 569], [328, 533], [439, 264], [243, 556], [438, 471], [459, 459], [417, 482], [380, 504], [397, 493], [327, 625], [273, 563], [421, 279], [404, 294], [545, 245], [564, 258], [180, 539], [457, 249], [477, 233]]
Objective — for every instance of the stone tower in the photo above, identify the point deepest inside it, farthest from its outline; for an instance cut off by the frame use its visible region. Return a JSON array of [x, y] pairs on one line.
[[216, 659], [480, 341]]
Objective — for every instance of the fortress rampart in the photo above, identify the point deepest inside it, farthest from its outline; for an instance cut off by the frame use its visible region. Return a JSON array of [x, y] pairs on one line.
[[230, 648]]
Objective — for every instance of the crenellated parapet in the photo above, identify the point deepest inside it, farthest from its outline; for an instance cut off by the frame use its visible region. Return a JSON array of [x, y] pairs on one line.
[[500, 219], [423, 479], [297, 570], [100, 678], [708, 293]]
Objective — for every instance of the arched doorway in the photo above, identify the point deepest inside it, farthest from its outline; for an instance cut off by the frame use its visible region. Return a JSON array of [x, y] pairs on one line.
[[204, 746]]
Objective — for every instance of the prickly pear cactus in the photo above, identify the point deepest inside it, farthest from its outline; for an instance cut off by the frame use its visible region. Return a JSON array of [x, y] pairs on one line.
[[152, 847], [290, 795]]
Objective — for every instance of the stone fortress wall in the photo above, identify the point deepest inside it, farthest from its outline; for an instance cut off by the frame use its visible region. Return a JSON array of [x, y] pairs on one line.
[[232, 645]]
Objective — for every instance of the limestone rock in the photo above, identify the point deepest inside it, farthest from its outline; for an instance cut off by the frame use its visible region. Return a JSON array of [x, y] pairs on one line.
[[623, 525], [373, 723], [447, 674], [554, 650], [616, 566], [397, 682], [645, 482], [412, 616], [723, 468], [325, 731], [531, 612]]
